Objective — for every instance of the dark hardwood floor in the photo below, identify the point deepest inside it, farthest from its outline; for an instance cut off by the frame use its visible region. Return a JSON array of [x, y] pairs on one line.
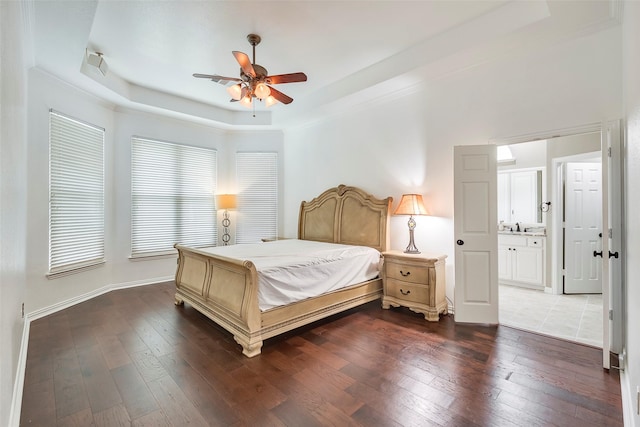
[[130, 357]]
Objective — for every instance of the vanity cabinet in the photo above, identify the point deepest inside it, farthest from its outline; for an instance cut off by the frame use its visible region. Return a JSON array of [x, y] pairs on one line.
[[521, 260]]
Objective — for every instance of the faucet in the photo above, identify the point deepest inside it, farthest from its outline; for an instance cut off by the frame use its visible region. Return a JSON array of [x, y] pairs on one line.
[[517, 226]]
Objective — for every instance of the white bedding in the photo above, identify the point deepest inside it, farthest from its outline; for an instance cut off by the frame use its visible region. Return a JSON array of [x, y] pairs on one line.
[[293, 270]]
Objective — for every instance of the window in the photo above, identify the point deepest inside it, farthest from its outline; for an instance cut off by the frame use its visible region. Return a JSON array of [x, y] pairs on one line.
[[76, 194], [257, 175], [172, 188]]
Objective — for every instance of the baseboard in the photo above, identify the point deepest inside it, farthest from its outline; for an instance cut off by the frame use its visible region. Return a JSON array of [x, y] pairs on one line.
[[18, 387], [628, 400], [37, 314], [145, 282]]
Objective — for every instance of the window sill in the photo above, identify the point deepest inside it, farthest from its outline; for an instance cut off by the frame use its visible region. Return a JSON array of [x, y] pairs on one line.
[[74, 270], [151, 257]]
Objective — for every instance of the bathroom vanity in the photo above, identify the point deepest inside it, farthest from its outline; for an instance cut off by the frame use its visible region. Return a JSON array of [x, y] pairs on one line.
[[521, 259]]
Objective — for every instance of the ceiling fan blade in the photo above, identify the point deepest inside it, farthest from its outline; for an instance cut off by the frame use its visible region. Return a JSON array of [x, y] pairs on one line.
[[286, 78], [218, 79], [280, 96], [245, 63]]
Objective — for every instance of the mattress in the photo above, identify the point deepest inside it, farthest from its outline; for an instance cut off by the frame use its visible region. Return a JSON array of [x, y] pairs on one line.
[[294, 270]]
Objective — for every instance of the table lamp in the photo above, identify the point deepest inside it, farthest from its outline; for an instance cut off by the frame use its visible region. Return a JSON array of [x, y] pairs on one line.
[[411, 204], [226, 202]]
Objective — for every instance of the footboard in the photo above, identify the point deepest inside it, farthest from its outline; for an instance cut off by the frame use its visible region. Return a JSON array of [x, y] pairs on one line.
[[223, 289]]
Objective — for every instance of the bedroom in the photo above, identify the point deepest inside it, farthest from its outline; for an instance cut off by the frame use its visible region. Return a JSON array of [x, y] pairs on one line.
[[408, 137]]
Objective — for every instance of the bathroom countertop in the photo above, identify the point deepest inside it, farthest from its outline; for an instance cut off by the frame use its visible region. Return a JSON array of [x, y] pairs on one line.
[[523, 233]]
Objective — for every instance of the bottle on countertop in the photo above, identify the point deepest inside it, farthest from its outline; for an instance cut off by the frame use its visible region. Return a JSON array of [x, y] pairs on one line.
[[501, 226]]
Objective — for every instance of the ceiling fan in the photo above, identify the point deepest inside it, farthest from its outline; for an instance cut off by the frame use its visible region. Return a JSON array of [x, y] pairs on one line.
[[254, 81]]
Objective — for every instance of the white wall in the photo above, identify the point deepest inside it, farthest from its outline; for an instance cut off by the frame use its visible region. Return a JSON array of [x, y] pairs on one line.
[[631, 84], [120, 124], [406, 144], [46, 92], [13, 203]]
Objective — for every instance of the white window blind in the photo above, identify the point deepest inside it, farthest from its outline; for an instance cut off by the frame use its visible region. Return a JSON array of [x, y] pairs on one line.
[[172, 188], [76, 194], [257, 175]]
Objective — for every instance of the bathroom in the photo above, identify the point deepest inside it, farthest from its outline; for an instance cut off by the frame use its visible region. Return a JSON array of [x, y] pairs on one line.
[[536, 261]]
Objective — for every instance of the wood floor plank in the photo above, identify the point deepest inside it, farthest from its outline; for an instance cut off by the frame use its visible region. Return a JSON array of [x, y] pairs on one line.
[[99, 384], [136, 396], [115, 416], [113, 351], [79, 419], [131, 357], [41, 397], [154, 419], [205, 398], [176, 406], [70, 394]]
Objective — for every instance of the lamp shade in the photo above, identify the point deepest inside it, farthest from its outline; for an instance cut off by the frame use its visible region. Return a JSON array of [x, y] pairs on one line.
[[411, 204], [226, 201], [235, 92]]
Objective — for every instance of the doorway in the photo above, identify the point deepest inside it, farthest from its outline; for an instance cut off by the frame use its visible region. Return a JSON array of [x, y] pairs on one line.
[[478, 213], [567, 301]]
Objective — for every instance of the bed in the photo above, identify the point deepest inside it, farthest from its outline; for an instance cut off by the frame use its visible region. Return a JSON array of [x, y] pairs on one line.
[[225, 288]]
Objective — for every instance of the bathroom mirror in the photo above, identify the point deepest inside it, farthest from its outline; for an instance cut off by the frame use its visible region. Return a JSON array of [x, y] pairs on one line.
[[520, 195]]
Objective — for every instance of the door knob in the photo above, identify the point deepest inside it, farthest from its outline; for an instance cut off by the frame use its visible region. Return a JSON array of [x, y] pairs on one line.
[[595, 254], [460, 242]]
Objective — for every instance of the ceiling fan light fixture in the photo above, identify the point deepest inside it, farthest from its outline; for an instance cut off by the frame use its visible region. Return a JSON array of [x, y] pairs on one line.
[[270, 100], [262, 91], [254, 80], [235, 92], [246, 101]]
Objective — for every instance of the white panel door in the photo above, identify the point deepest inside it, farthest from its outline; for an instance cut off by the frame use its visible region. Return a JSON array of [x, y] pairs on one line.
[[583, 228], [475, 228]]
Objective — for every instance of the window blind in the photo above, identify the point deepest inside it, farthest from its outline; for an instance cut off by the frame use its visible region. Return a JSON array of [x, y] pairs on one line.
[[172, 188], [257, 177], [76, 194]]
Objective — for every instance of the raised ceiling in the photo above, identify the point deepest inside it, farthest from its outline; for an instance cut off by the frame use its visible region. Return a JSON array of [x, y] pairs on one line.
[[351, 51]]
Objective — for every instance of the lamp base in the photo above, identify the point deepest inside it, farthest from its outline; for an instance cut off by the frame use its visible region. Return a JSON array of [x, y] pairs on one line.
[[411, 248], [226, 222]]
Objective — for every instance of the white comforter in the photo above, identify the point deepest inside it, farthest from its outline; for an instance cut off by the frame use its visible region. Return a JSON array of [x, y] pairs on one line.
[[293, 270]]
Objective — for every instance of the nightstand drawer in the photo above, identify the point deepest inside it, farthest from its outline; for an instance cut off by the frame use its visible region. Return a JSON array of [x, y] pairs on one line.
[[407, 273], [407, 291]]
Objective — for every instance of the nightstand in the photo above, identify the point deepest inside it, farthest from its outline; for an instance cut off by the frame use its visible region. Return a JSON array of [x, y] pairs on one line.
[[415, 281]]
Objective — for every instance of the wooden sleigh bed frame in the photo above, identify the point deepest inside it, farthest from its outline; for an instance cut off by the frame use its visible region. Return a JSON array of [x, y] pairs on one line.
[[226, 289]]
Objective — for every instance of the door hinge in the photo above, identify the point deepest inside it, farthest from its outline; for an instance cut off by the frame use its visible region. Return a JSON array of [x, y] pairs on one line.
[[611, 233], [610, 314], [609, 151]]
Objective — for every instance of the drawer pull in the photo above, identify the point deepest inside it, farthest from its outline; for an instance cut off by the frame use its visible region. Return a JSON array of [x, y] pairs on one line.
[[405, 292], [405, 274]]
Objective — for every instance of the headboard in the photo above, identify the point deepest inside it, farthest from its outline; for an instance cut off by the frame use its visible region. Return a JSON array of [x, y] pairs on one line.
[[346, 215]]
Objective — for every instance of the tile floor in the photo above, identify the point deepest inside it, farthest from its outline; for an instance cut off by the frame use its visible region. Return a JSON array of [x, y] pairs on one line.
[[572, 317]]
